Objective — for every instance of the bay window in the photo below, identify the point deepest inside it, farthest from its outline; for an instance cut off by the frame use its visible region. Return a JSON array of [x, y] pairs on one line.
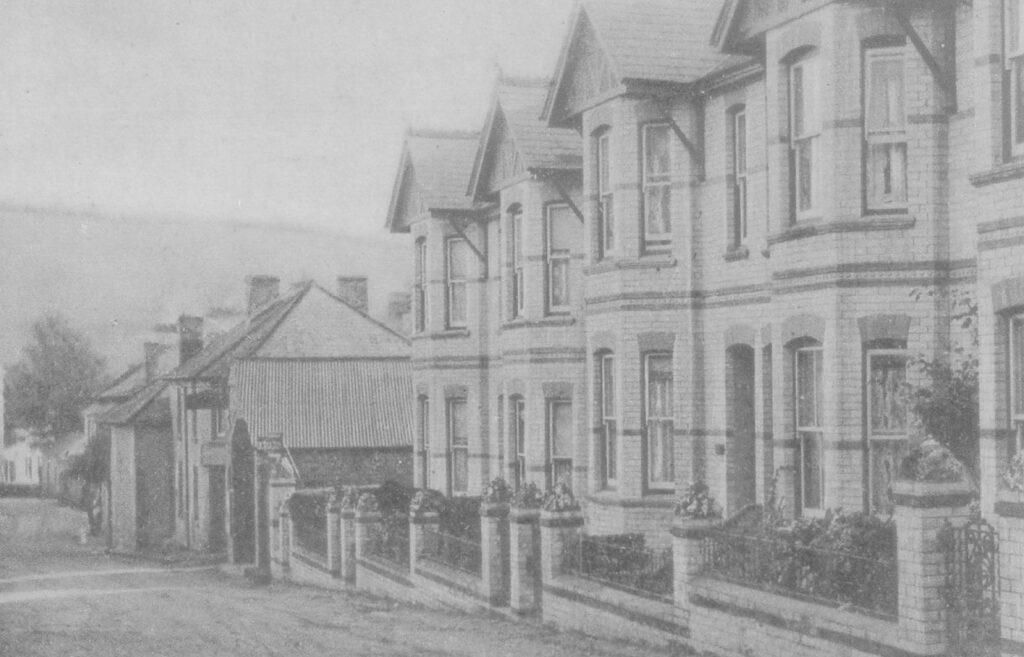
[[605, 206], [739, 177], [559, 466], [886, 397], [1013, 62], [420, 286], [885, 129], [559, 252], [609, 419], [658, 397], [518, 301], [458, 448], [657, 183], [1017, 380], [456, 261], [518, 434], [809, 425], [804, 133]]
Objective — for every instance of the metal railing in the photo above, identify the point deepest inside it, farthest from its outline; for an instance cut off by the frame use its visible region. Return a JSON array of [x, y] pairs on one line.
[[837, 579], [389, 540], [459, 552], [622, 562]]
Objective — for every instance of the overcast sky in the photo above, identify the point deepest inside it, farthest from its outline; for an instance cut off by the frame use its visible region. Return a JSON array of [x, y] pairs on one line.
[[285, 111]]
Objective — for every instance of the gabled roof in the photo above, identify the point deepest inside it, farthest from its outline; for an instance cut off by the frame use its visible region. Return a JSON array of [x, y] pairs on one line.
[[660, 41], [326, 404], [434, 168], [215, 359], [516, 107], [310, 323]]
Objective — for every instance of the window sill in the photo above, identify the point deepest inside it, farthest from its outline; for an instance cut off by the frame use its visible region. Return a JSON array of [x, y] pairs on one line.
[[865, 224], [659, 261], [737, 253], [554, 320], [1001, 173], [447, 334]]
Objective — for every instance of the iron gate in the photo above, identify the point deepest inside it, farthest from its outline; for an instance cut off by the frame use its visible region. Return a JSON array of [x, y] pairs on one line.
[[972, 589]]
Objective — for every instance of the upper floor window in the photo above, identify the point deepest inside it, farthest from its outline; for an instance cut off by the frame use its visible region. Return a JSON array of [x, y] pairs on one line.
[[420, 286], [657, 175], [1014, 63], [458, 448], [1017, 379], [517, 258], [739, 177], [658, 396], [456, 260], [809, 425], [609, 419], [424, 413], [518, 434], [885, 129], [804, 130], [605, 207], [559, 253], [559, 465]]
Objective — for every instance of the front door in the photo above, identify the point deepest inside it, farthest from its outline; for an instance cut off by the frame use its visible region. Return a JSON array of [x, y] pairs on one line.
[[741, 448], [243, 502], [217, 503]]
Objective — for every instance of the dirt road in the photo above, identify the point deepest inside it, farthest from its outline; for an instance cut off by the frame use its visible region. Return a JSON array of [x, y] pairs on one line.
[[59, 598]]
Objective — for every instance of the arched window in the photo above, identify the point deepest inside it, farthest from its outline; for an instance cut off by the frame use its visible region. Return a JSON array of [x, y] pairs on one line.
[[737, 210], [517, 258], [420, 286], [605, 402], [808, 406], [605, 220], [806, 162]]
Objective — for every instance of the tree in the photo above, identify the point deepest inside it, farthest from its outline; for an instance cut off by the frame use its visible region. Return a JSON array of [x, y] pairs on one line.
[[58, 373], [948, 406]]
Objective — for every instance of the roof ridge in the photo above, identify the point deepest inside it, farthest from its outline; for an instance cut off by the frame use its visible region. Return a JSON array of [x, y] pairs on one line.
[[366, 315]]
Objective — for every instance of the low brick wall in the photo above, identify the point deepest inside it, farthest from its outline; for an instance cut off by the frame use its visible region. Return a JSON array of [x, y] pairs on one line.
[[573, 603]]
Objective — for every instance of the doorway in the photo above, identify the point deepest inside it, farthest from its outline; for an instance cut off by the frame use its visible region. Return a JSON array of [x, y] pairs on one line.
[[741, 448]]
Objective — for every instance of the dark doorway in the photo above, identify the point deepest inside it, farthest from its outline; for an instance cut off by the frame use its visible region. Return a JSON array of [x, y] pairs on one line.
[[243, 504], [217, 502], [741, 449], [263, 515]]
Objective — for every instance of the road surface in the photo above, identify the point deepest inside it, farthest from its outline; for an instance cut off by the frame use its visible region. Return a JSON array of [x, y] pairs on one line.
[[63, 599]]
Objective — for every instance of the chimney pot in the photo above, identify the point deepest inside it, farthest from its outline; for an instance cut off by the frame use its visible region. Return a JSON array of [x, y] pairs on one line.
[[262, 290], [353, 290]]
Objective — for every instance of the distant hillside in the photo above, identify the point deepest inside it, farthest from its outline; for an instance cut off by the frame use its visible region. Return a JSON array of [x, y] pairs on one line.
[[116, 277]]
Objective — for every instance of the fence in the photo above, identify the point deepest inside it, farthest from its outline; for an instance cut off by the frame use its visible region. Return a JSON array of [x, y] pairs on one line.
[[309, 522], [459, 552], [623, 562], [389, 540], [824, 576]]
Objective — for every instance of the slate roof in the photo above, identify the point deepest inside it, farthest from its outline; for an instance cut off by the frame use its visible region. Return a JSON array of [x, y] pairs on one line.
[[520, 102], [326, 403], [125, 385], [649, 40], [128, 410], [541, 147], [443, 162]]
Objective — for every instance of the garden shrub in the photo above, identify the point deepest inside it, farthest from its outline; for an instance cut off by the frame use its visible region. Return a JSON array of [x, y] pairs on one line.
[[461, 517]]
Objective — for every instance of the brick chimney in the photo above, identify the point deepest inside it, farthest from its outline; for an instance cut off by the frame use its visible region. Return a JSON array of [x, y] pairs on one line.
[[152, 363], [399, 308], [353, 291], [262, 290], [190, 336]]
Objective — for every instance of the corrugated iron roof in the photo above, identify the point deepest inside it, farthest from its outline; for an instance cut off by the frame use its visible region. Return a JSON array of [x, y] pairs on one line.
[[326, 403]]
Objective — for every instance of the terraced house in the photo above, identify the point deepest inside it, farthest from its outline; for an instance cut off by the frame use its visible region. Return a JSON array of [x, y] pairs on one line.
[[762, 209]]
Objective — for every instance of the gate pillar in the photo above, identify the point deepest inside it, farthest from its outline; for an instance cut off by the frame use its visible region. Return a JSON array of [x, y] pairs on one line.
[[923, 510]]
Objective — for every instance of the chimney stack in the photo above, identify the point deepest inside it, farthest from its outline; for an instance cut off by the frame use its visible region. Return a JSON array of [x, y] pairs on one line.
[[353, 291], [262, 290], [399, 308], [190, 336], [152, 362]]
